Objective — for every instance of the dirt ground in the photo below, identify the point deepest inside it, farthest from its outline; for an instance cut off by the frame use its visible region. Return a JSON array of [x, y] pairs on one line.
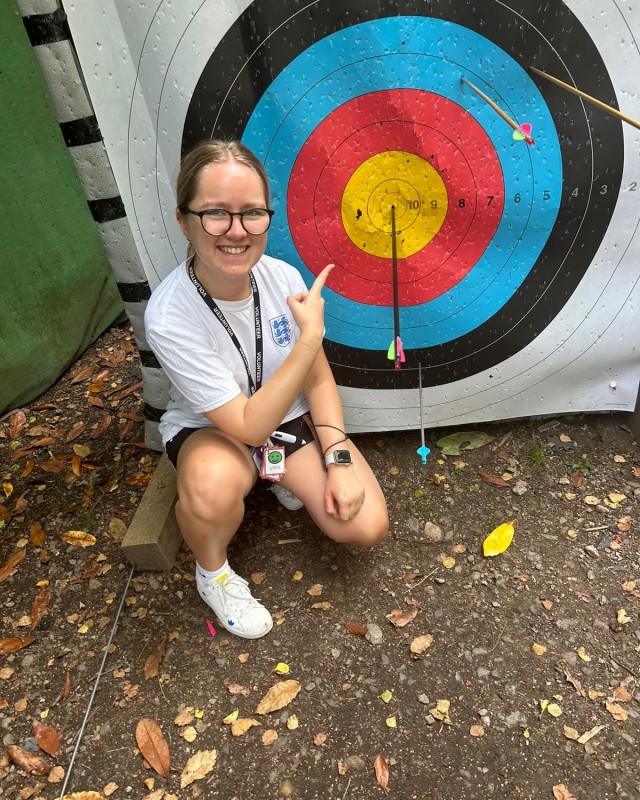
[[421, 663]]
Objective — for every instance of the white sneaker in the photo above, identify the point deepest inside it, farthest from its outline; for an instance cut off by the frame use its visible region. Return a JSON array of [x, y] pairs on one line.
[[286, 498], [238, 611]]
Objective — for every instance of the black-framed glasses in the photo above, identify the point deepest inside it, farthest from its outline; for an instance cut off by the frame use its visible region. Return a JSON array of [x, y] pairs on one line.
[[218, 221]]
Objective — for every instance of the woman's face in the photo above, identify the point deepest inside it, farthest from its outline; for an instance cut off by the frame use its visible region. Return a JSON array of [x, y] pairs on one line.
[[234, 187]]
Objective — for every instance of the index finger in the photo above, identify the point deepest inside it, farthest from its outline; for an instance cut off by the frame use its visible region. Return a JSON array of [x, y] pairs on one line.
[[320, 281]]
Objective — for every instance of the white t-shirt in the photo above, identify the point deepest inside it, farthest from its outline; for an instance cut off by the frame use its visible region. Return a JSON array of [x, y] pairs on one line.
[[204, 367]]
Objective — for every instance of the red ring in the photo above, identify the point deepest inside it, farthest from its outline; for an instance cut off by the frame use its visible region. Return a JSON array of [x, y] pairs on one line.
[[459, 149]]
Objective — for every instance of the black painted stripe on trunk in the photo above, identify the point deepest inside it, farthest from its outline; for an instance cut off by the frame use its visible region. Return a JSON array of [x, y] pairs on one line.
[[134, 292], [148, 359], [81, 131], [152, 414], [107, 209], [47, 28]]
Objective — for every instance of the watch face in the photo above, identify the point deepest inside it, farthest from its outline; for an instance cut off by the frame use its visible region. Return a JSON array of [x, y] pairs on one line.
[[342, 457]]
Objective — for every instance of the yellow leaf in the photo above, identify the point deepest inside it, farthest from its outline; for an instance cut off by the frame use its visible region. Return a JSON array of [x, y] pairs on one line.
[[441, 711], [449, 562], [622, 617], [233, 716], [297, 575], [7, 488], [78, 538], [554, 709], [281, 668], [543, 706], [386, 696], [498, 540], [242, 725], [278, 696], [391, 722], [583, 654], [292, 722], [538, 649]]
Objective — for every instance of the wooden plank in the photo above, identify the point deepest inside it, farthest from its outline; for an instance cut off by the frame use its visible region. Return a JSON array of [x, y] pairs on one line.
[[153, 539]]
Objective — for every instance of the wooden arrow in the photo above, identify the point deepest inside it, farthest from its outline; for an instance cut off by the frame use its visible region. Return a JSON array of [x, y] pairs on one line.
[[598, 103], [499, 111]]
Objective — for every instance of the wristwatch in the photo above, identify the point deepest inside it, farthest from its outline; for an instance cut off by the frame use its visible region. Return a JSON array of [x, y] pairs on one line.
[[338, 457]]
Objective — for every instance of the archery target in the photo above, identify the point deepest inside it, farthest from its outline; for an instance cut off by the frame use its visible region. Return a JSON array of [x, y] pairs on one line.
[[511, 258]]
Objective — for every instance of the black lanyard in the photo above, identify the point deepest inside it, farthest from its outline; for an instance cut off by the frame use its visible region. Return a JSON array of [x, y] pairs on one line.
[[253, 386]]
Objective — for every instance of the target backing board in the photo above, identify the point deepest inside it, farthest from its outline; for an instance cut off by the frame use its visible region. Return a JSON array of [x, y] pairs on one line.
[[514, 286]]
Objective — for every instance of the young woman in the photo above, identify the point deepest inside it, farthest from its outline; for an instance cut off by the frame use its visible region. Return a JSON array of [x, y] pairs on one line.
[[240, 338]]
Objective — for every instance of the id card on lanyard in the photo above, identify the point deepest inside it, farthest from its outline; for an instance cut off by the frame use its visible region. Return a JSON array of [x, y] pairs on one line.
[[272, 461]]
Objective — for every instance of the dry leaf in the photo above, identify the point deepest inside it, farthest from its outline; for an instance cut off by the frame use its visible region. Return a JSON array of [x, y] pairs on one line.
[[382, 771], [570, 733], [258, 577], [583, 653], [56, 774], [152, 664], [620, 459], [47, 738], [242, 725], [448, 562], [198, 766], [11, 565], [560, 792], [391, 722], [355, 629], [189, 734], [278, 696], [269, 737], [494, 480], [441, 711], [14, 643], [37, 535], [237, 688], [590, 734], [538, 649], [554, 709], [40, 606], [547, 604], [421, 643], [78, 538], [617, 497], [319, 739], [617, 712], [17, 423], [401, 618], [185, 717], [297, 575], [590, 500], [30, 763], [75, 431], [342, 766], [622, 617], [477, 730], [324, 605], [594, 694], [153, 746], [315, 590], [292, 722], [574, 682], [621, 694], [109, 789]]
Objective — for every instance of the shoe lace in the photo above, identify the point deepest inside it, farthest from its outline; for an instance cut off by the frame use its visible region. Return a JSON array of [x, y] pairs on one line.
[[238, 595]]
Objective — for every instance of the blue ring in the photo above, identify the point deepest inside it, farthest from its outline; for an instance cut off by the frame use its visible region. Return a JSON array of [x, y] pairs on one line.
[[304, 94]]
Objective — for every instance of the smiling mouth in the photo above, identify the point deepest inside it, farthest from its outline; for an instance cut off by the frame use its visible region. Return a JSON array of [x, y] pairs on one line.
[[234, 251]]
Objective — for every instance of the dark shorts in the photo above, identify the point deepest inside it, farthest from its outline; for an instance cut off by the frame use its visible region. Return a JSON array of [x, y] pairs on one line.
[[297, 428]]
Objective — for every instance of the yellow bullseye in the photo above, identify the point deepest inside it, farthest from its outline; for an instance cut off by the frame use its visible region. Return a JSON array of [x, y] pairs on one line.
[[393, 178]]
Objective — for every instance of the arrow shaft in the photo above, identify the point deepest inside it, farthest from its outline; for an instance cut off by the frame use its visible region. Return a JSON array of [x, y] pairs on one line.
[[396, 294], [594, 101], [493, 105]]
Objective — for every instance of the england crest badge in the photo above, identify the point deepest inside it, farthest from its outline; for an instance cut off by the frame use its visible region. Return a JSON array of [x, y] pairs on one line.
[[281, 330]]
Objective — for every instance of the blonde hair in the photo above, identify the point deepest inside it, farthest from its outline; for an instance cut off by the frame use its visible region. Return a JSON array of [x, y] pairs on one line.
[[216, 151]]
